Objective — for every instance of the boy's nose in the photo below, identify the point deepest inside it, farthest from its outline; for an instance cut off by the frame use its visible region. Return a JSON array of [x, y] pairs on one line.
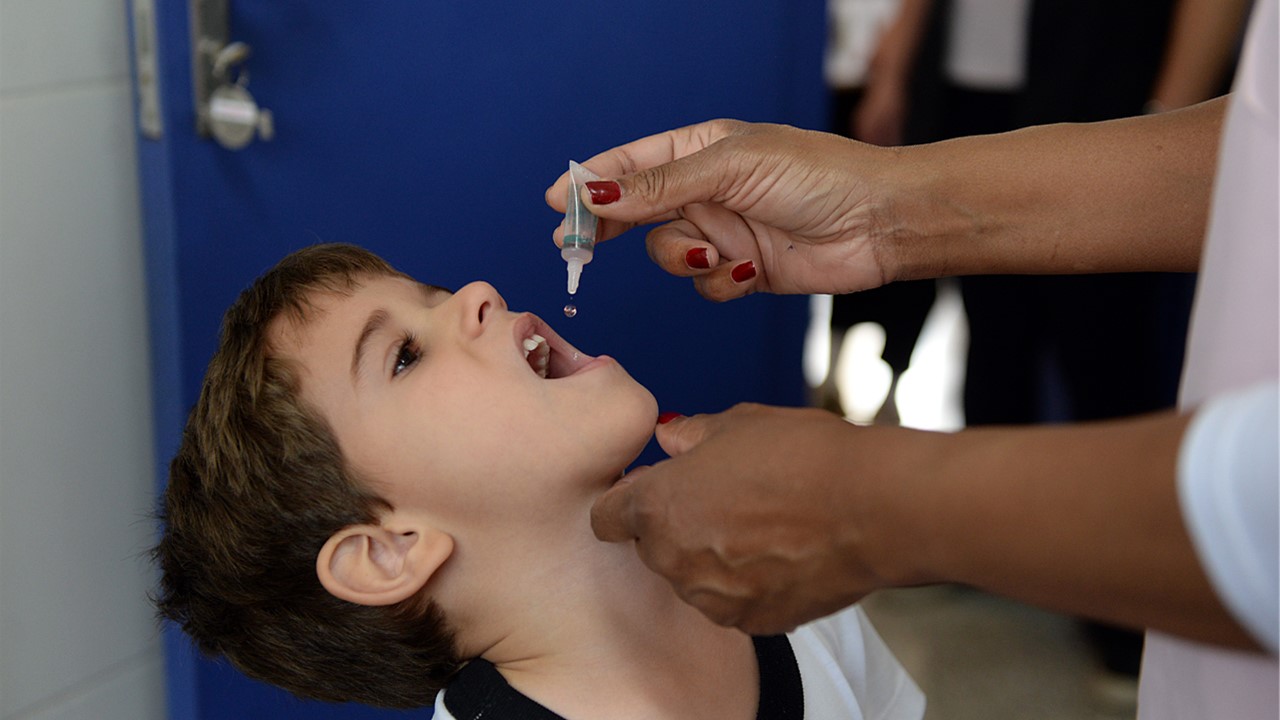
[[477, 302]]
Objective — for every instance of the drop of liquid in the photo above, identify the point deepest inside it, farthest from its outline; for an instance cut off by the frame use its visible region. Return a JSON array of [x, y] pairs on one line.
[[570, 310]]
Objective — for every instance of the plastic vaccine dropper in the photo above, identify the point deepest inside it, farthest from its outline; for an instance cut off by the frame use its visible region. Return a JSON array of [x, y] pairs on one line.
[[579, 231]]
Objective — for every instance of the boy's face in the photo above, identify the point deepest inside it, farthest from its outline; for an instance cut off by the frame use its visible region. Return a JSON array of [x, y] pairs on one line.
[[435, 402]]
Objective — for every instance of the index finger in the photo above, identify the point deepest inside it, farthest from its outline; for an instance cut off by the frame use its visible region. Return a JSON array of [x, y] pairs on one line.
[[613, 516], [645, 153]]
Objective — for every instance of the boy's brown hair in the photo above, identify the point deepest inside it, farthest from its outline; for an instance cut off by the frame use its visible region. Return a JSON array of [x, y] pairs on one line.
[[257, 487]]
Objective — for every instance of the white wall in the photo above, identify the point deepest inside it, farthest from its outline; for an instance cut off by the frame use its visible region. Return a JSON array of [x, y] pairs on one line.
[[76, 635]]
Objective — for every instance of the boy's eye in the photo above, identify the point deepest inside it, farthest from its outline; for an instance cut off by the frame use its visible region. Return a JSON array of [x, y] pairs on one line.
[[407, 354]]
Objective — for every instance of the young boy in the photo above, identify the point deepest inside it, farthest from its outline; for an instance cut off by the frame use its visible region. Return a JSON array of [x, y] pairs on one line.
[[385, 488]]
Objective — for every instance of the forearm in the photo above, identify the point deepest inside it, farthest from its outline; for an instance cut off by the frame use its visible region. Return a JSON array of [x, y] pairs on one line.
[[896, 51], [1202, 42], [1081, 519], [1124, 195], [880, 115]]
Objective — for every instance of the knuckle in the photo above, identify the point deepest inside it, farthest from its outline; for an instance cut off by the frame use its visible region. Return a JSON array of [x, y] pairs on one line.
[[717, 607], [630, 163], [719, 286], [647, 512], [706, 286], [653, 247], [649, 185], [713, 132], [727, 127], [747, 408], [603, 522]]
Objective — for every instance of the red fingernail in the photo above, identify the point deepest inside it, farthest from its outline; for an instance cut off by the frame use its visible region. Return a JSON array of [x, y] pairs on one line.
[[697, 259], [744, 272], [603, 192], [667, 417]]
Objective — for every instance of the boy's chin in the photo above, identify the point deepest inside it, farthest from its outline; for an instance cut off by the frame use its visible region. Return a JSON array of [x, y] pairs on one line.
[[629, 438]]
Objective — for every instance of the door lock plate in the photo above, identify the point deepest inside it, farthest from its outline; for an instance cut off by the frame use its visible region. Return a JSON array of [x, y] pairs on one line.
[[225, 110]]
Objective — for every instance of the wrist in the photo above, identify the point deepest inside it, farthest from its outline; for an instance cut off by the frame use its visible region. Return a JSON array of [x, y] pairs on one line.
[[921, 221], [896, 505]]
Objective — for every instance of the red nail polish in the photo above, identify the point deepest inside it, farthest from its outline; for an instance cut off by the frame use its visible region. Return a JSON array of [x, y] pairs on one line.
[[603, 192], [697, 259], [667, 417], [744, 272]]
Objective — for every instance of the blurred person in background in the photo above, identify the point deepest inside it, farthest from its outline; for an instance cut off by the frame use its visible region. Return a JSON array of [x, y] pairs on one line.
[[856, 28]]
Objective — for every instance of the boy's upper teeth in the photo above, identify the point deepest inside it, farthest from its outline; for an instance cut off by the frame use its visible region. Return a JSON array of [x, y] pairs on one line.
[[532, 342], [541, 359]]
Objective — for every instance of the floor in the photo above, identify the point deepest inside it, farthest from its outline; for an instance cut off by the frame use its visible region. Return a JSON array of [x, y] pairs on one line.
[[975, 656]]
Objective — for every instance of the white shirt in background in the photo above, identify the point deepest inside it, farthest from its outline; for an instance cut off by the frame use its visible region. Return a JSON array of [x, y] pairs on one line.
[[855, 28], [987, 44]]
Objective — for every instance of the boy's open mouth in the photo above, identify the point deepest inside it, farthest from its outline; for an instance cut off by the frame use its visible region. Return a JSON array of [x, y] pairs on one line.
[[547, 354]]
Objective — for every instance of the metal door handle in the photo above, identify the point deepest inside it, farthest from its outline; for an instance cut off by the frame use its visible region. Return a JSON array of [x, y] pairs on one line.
[[225, 110]]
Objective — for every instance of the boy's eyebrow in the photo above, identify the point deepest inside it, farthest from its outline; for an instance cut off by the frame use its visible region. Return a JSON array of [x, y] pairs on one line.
[[377, 319]]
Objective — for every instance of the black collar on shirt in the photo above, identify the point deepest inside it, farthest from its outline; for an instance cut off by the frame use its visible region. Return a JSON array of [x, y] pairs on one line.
[[480, 691]]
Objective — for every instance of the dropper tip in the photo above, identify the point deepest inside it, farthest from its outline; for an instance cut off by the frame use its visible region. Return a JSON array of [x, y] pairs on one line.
[[575, 274]]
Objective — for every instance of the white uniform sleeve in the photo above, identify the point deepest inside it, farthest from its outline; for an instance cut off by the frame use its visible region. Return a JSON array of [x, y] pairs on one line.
[[1228, 475], [849, 672]]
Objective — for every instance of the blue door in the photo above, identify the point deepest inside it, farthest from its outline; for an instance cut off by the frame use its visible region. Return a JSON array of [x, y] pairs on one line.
[[427, 132]]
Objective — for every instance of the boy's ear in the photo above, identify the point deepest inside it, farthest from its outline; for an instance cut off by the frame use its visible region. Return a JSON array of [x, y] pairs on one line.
[[381, 564]]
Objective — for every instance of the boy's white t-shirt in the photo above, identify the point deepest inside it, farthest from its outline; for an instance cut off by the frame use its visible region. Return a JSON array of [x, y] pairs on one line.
[[846, 670], [1227, 492]]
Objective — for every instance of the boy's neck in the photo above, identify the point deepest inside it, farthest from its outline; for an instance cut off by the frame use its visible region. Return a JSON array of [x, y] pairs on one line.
[[599, 635]]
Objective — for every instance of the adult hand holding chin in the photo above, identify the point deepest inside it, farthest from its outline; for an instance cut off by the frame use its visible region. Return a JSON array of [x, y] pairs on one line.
[[754, 519], [748, 207]]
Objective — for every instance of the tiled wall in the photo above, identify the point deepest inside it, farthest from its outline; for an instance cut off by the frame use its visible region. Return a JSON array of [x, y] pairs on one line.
[[76, 635]]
